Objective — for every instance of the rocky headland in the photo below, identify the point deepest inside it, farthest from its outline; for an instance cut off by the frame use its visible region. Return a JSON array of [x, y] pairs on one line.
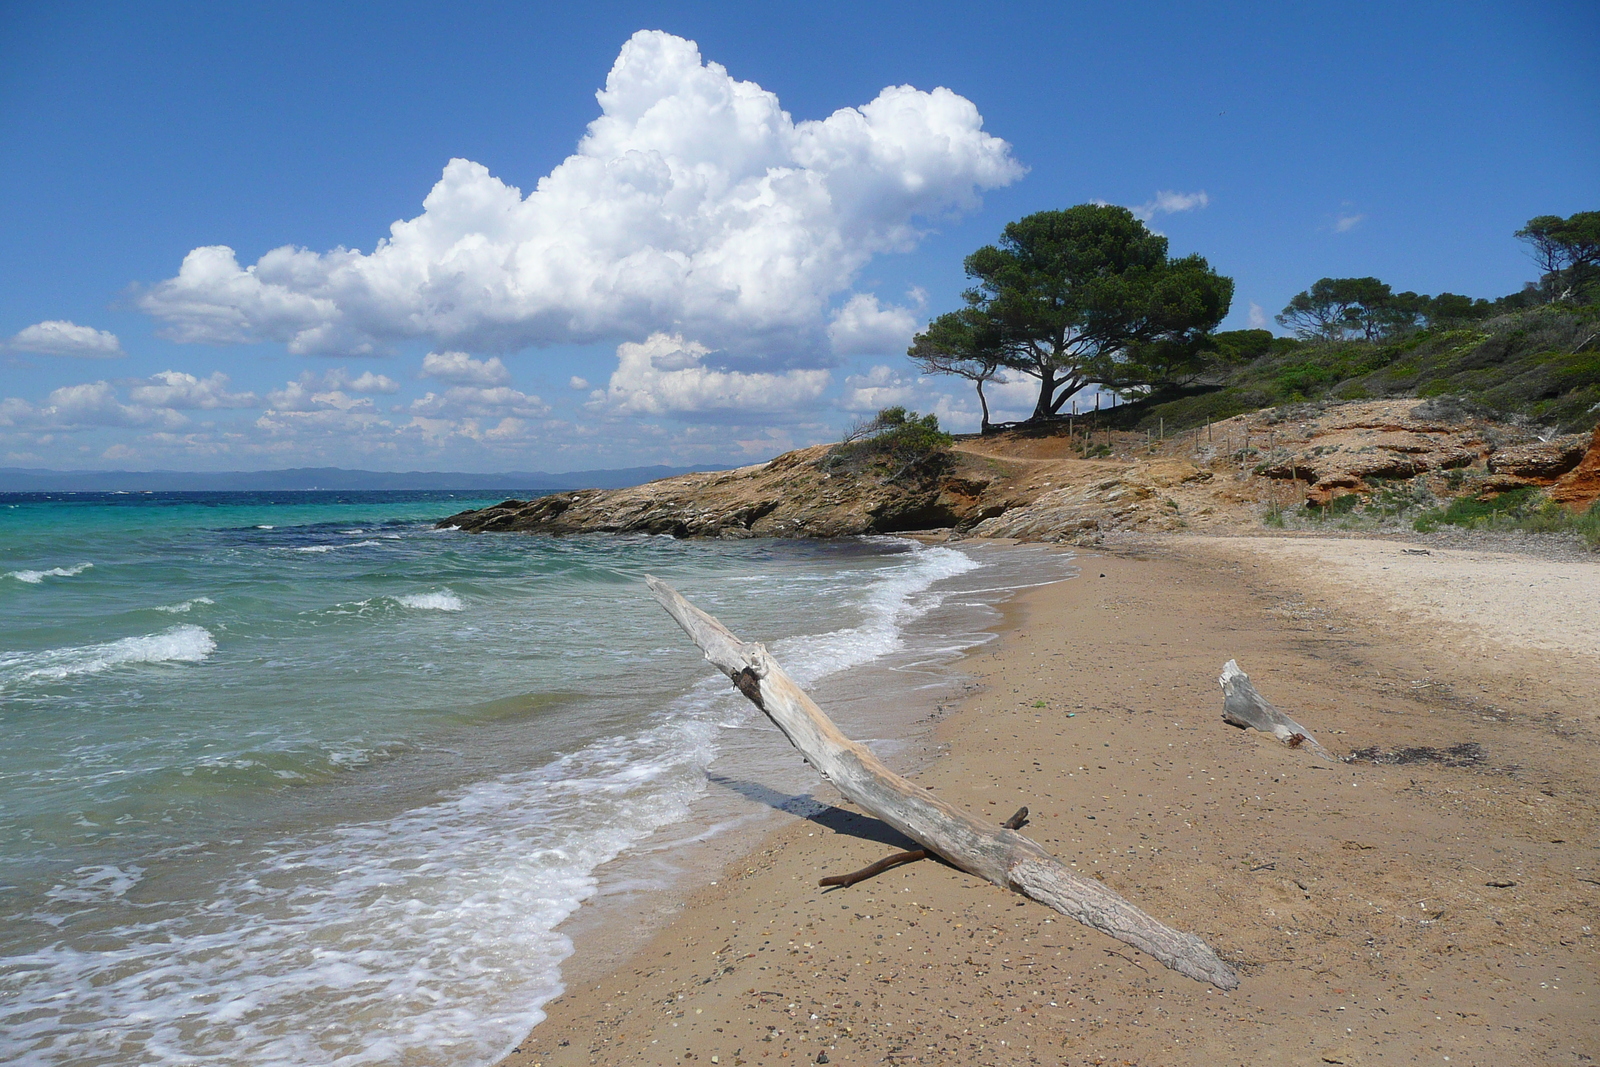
[[1057, 484]]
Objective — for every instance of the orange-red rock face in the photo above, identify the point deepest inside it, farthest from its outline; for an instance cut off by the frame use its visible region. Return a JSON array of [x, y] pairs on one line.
[[1580, 487]]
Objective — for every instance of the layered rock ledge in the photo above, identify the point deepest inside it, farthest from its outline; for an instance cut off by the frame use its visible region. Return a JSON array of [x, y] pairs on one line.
[[1038, 486]]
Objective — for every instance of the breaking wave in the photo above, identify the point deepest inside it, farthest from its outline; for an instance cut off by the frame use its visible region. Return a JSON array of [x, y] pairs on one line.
[[181, 644], [36, 577]]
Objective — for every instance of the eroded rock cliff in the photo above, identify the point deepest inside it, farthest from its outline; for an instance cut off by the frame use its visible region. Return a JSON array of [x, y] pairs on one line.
[[1039, 486]]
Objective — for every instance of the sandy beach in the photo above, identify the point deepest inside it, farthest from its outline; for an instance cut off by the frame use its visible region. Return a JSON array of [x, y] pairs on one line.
[[1434, 902]]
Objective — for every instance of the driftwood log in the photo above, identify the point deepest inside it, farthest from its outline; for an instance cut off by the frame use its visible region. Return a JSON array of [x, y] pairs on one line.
[[873, 870], [973, 844], [1247, 709]]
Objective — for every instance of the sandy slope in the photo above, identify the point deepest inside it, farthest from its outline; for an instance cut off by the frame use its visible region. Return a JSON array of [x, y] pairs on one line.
[[1491, 600], [1411, 913]]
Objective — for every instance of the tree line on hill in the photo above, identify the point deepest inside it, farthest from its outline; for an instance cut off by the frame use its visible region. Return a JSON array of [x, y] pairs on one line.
[[1089, 296]]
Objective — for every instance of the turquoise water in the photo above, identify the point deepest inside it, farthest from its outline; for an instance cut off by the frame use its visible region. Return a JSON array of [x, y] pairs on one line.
[[299, 779]]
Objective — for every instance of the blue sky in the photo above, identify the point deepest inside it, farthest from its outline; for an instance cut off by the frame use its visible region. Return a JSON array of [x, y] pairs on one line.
[[1404, 141]]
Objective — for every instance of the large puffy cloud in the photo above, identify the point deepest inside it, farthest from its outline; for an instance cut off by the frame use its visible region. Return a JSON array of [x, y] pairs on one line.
[[865, 327], [58, 337], [694, 204], [91, 404], [667, 375]]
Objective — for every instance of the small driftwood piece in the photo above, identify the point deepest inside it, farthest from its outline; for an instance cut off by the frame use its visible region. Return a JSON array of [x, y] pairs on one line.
[[1247, 709], [1014, 823], [875, 869], [967, 841]]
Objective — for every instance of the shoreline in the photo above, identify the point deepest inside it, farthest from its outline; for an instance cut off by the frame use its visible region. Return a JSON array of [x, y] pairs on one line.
[[759, 785], [1353, 897]]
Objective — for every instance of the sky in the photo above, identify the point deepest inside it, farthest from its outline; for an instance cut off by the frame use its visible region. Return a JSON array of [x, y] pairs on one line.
[[490, 237]]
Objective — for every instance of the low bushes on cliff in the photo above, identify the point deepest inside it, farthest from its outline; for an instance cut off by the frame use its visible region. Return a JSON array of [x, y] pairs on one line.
[[1539, 364], [894, 440]]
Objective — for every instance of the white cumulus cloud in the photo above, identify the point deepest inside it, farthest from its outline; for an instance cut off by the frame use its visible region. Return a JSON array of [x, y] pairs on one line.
[[365, 382], [865, 327], [96, 404], [667, 375], [176, 389], [58, 337], [880, 387], [1167, 202], [694, 203], [462, 369], [468, 401]]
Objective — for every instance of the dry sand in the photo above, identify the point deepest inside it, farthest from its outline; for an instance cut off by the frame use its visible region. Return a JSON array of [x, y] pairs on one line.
[[1417, 912]]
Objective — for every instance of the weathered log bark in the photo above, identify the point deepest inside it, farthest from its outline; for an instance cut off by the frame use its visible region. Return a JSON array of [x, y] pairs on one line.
[[973, 844], [1247, 709]]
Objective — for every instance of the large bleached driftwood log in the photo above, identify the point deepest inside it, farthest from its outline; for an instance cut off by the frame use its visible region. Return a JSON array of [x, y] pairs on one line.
[[1247, 709], [1002, 856]]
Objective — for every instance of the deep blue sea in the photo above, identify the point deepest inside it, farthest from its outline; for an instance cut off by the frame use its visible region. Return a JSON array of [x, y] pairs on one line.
[[295, 778]]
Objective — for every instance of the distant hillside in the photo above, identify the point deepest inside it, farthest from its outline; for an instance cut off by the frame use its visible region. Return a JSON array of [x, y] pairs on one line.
[[19, 480], [1541, 364]]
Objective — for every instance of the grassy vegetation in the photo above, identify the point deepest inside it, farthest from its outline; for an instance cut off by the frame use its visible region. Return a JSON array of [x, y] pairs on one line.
[[1541, 364], [1520, 509]]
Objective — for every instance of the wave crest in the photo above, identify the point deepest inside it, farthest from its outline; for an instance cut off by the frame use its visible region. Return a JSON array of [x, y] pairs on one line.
[[443, 600], [180, 644], [36, 577]]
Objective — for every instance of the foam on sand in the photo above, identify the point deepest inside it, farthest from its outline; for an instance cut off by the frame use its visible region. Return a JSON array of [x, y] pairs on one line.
[[36, 577], [180, 644]]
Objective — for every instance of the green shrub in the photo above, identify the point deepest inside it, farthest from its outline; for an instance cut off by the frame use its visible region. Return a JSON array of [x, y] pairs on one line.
[[894, 437]]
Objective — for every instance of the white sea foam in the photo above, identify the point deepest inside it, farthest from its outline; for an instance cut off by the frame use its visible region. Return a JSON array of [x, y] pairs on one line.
[[334, 548], [892, 600], [36, 577], [97, 885], [186, 607], [429, 937], [443, 600], [180, 644]]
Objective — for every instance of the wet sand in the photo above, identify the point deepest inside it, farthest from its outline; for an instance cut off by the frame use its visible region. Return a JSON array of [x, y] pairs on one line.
[[1435, 910]]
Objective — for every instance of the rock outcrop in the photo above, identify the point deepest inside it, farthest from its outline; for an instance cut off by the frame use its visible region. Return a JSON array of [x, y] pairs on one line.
[[1035, 486], [1078, 513], [1579, 488], [1344, 450], [1541, 462], [795, 495]]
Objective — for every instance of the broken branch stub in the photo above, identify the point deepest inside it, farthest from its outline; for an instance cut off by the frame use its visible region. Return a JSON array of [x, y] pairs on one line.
[[967, 841], [1247, 709]]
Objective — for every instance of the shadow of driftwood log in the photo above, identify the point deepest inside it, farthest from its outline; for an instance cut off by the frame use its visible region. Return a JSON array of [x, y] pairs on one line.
[[839, 820]]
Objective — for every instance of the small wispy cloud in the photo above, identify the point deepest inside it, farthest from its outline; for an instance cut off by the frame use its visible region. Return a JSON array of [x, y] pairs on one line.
[[1168, 202], [1346, 223], [1258, 316]]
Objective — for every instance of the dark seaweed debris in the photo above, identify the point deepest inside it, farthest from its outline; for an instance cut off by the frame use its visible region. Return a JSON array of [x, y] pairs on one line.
[[1466, 754]]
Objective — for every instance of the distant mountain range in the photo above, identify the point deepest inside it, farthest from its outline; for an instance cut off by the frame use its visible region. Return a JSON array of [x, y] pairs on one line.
[[22, 480]]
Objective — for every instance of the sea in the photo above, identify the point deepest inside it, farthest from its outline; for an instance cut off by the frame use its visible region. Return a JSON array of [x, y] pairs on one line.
[[299, 779]]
